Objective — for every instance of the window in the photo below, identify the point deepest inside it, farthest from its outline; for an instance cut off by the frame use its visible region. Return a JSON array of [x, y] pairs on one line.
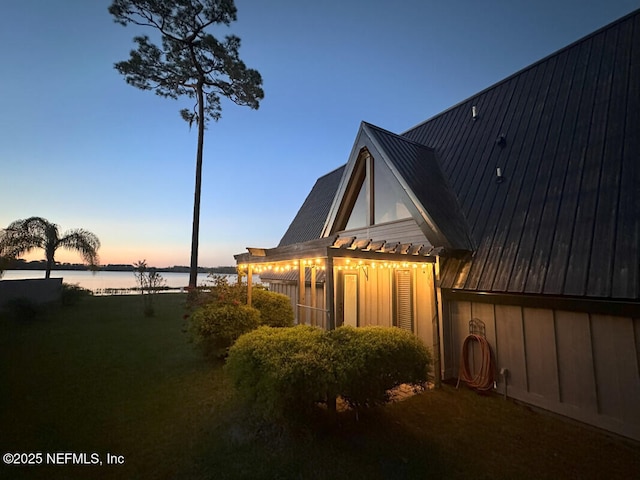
[[374, 196], [358, 217], [389, 202]]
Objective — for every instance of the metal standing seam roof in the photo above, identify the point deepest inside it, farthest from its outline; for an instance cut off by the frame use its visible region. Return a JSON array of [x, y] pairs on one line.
[[308, 222], [564, 216], [565, 132], [421, 175]]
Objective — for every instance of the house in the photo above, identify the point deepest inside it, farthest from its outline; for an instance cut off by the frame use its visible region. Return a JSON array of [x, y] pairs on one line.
[[514, 214]]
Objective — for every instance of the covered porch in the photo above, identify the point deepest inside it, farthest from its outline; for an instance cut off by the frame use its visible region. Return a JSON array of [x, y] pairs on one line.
[[337, 281]]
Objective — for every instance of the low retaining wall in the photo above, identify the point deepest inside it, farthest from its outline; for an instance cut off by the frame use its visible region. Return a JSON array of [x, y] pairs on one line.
[[37, 291]]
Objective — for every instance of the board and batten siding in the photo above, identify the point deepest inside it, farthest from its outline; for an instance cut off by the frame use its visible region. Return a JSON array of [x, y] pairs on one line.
[[375, 299], [311, 316], [376, 304], [585, 366]]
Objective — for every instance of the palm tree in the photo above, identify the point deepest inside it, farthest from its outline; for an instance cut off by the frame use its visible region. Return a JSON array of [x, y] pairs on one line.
[[22, 236]]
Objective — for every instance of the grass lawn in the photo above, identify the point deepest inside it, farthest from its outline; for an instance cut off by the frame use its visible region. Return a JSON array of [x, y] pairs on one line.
[[101, 378]]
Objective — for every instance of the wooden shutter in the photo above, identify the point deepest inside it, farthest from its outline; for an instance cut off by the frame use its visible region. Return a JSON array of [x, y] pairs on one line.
[[403, 300]]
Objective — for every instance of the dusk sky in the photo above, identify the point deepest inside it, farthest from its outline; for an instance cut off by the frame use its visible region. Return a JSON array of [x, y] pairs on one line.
[[83, 149]]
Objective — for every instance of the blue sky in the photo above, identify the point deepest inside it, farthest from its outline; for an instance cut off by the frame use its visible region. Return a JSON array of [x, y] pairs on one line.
[[82, 148]]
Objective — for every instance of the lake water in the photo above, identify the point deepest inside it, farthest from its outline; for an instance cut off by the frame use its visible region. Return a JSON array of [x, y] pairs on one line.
[[105, 282]]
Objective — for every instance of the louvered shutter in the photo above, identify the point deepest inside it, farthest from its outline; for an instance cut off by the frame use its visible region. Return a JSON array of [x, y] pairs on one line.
[[403, 300]]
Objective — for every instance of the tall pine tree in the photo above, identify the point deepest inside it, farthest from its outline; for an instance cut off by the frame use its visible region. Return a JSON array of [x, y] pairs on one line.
[[189, 62]]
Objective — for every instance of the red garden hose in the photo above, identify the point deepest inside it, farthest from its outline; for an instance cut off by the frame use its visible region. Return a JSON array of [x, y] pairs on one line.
[[483, 378]]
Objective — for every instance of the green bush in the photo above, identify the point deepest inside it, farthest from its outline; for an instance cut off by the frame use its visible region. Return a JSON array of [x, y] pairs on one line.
[[73, 293], [221, 315], [216, 327], [275, 308], [219, 292], [281, 370], [370, 361]]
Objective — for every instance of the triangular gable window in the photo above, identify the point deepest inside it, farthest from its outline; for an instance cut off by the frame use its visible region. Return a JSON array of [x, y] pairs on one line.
[[390, 199], [359, 212], [380, 198]]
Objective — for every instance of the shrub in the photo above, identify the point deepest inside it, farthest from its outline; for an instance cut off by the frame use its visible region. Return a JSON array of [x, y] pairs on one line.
[[73, 293], [220, 292], [223, 292], [281, 370], [216, 327], [370, 361], [275, 308], [149, 282], [221, 315]]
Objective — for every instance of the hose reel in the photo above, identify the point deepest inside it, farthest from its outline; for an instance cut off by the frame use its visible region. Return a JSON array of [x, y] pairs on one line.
[[482, 376]]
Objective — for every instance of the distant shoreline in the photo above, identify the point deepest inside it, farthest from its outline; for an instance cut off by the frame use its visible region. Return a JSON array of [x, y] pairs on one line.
[[41, 265], [118, 282]]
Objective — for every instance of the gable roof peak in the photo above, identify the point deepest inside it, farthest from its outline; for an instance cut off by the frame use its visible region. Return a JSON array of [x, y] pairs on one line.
[[369, 127], [415, 167]]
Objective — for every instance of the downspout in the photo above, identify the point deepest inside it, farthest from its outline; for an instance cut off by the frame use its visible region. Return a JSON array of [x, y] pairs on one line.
[[436, 332]]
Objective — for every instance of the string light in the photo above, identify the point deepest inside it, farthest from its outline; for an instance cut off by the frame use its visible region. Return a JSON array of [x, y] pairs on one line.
[[318, 263]]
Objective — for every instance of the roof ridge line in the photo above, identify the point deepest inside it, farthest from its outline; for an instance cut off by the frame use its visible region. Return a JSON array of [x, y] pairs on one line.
[[398, 136]]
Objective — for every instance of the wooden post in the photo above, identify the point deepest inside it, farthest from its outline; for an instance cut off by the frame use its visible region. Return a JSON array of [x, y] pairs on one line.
[[314, 300], [301, 294], [324, 296], [249, 283], [330, 296], [437, 366]]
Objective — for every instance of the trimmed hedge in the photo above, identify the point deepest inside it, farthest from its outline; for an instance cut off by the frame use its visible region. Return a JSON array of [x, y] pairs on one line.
[[217, 327], [275, 308], [277, 369], [370, 361], [293, 369], [221, 315]]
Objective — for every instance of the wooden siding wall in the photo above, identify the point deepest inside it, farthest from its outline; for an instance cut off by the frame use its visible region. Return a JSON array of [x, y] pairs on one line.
[[584, 366], [291, 290], [376, 300], [403, 231]]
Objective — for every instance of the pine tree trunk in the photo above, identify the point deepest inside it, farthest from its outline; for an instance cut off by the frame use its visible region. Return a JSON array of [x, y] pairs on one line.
[[193, 271]]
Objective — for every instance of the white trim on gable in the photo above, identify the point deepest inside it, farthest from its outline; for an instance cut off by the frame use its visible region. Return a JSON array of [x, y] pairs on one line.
[[366, 145]]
